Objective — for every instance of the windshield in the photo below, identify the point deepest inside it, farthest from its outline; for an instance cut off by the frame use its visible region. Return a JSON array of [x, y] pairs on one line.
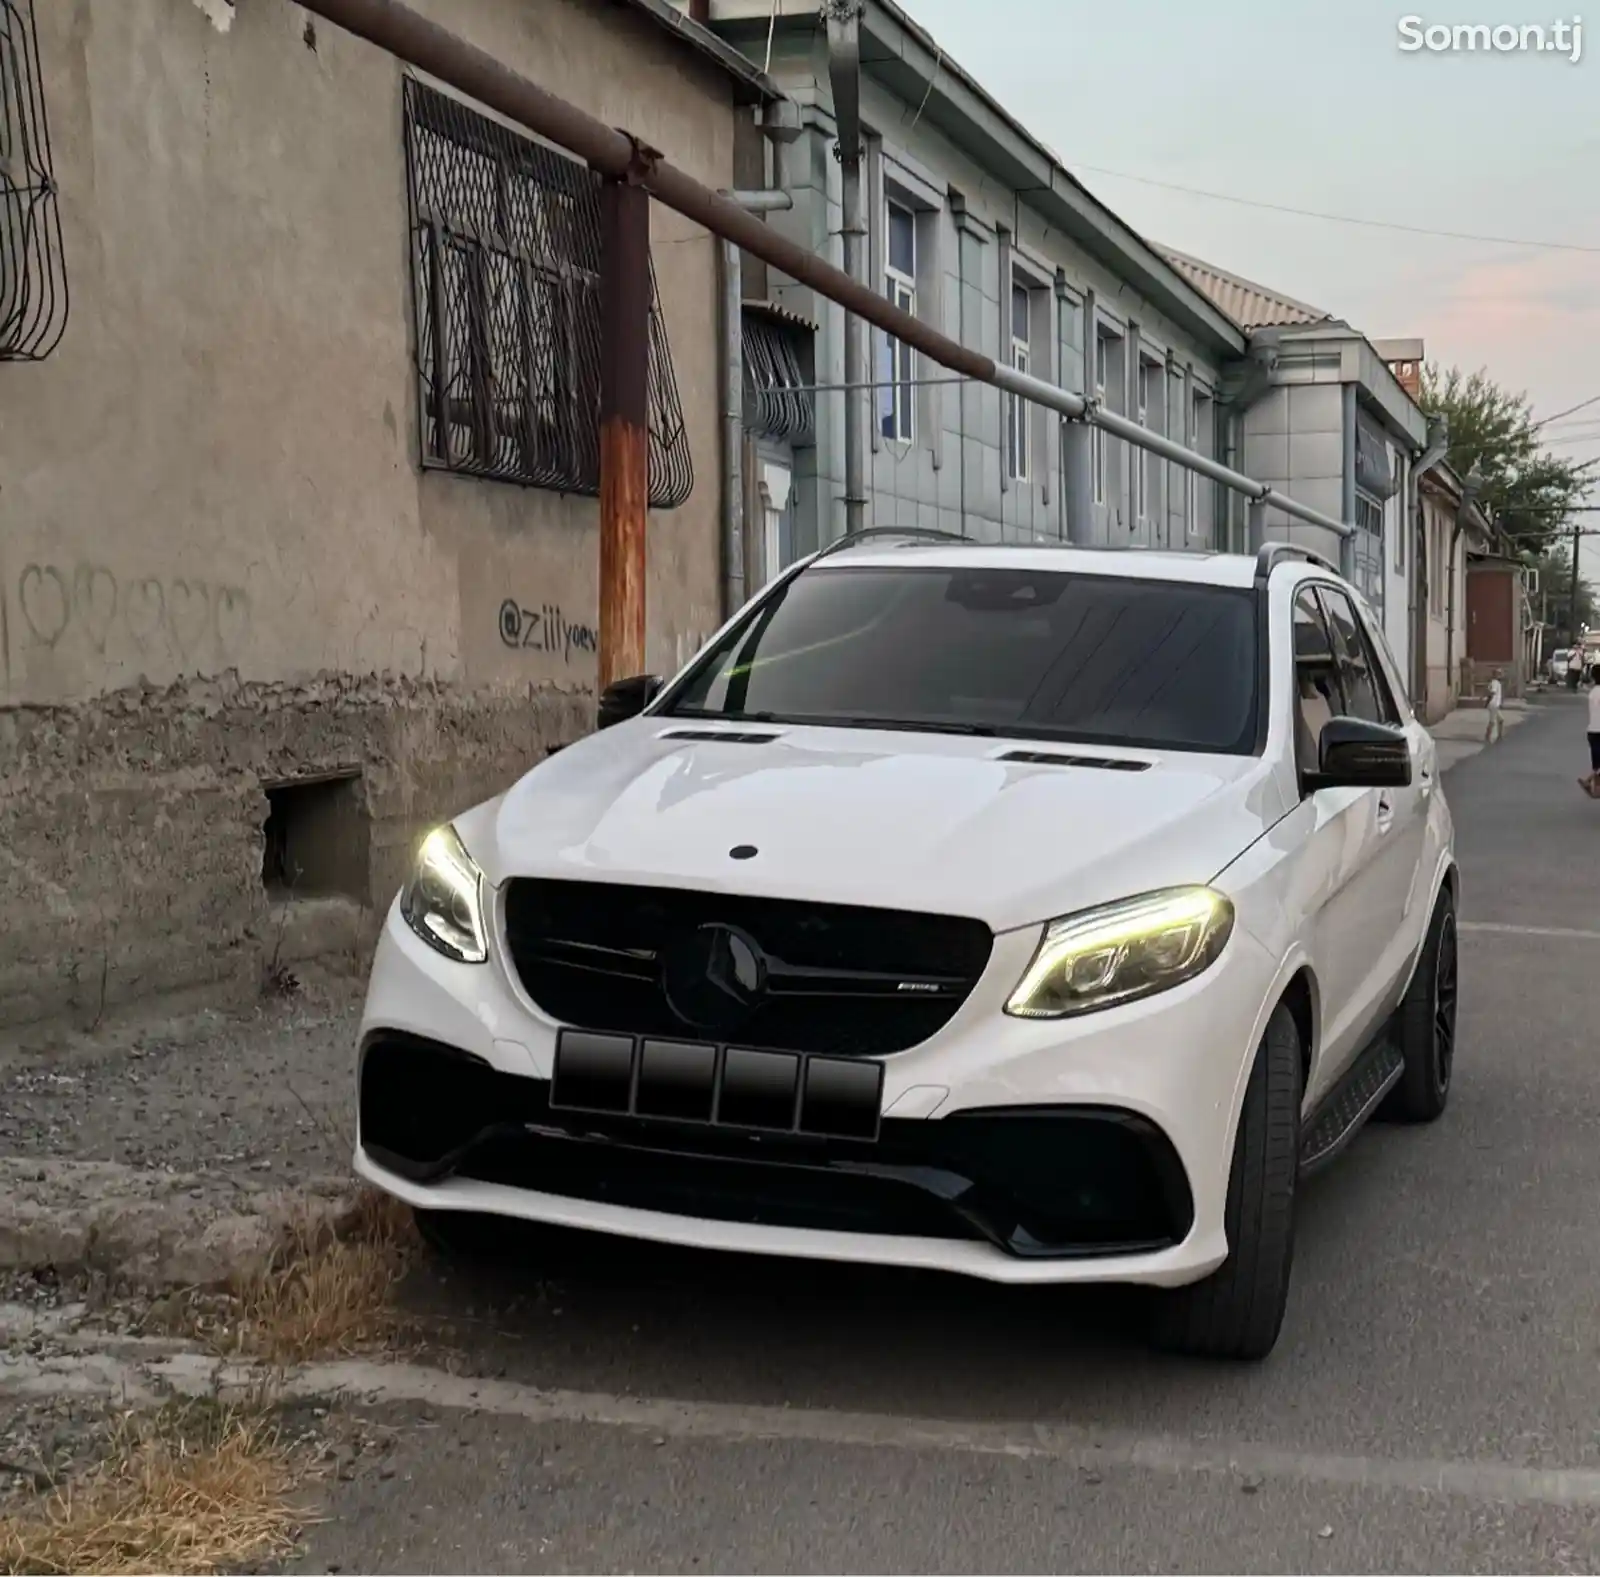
[[1029, 653]]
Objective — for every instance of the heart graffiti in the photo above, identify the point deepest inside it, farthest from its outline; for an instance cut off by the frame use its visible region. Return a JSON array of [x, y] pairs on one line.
[[191, 619], [46, 607]]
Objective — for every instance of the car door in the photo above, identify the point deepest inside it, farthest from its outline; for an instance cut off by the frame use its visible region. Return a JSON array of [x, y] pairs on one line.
[[1402, 812], [1333, 885], [1395, 832]]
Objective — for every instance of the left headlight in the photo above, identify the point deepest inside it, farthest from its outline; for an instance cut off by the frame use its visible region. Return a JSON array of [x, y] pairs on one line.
[[1124, 951], [443, 899]]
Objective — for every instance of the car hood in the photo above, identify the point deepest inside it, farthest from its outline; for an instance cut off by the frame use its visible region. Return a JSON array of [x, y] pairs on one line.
[[892, 820]]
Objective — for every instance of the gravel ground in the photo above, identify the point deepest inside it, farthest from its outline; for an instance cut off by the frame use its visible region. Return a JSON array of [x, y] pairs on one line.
[[268, 1091]]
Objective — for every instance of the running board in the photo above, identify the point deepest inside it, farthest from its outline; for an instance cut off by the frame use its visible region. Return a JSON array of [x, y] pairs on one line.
[[1338, 1118]]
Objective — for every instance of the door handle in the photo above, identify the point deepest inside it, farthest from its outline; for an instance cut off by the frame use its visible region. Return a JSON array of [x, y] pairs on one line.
[[1385, 811]]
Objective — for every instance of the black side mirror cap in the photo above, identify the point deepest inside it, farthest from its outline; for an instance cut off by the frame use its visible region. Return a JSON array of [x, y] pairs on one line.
[[1354, 753], [627, 698]]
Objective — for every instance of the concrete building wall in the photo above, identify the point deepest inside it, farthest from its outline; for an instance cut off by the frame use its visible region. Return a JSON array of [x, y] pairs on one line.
[[1294, 441], [221, 565], [973, 236]]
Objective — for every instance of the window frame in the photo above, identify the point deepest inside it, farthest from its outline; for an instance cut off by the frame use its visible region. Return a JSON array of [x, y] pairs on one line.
[[1018, 411], [1389, 711], [897, 411], [1102, 366], [1308, 590]]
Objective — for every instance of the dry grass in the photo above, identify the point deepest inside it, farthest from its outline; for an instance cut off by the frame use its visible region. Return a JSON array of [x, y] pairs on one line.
[[193, 1487], [326, 1294]]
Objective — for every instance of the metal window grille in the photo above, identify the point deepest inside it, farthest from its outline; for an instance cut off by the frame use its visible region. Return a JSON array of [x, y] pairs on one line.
[[777, 402], [33, 280], [506, 257]]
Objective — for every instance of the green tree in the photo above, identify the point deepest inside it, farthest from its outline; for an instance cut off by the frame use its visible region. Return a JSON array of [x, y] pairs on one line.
[[1553, 601], [1528, 490]]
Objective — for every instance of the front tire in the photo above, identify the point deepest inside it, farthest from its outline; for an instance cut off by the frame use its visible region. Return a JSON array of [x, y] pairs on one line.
[[1237, 1311], [1425, 1025]]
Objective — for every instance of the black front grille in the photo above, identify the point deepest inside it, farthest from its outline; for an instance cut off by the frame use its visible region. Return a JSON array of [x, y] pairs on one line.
[[768, 973]]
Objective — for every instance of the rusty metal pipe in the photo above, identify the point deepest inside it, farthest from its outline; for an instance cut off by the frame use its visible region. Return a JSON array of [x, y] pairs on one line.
[[430, 48]]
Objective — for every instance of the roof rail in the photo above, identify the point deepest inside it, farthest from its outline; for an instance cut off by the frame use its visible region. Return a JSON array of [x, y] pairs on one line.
[[1274, 553], [916, 533]]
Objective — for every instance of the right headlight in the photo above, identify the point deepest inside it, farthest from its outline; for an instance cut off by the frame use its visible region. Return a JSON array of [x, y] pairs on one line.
[[1123, 951], [443, 899]]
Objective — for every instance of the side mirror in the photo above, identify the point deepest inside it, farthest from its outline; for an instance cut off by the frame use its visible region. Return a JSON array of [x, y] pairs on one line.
[[1354, 753], [628, 698]]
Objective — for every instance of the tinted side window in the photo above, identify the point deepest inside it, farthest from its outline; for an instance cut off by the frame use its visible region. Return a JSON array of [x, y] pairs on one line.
[[1317, 693], [1356, 678]]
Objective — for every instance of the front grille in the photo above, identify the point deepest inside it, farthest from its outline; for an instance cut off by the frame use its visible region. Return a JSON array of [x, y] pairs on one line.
[[1034, 1182], [767, 973]]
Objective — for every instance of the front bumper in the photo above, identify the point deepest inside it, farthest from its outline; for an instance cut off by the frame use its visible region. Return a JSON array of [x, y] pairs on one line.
[[1088, 1150]]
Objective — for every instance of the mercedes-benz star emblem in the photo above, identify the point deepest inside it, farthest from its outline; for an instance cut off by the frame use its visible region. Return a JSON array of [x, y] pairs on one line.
[[715, 977]]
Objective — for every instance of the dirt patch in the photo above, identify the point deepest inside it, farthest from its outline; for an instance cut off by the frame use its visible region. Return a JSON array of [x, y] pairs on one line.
[[190, 1487]]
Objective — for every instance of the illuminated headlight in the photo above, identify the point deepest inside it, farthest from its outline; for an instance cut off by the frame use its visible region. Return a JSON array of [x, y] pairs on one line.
[[1124, 951], [443, 900]]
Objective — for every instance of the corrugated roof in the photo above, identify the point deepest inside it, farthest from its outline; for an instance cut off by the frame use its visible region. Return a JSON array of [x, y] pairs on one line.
[[1250, 305]]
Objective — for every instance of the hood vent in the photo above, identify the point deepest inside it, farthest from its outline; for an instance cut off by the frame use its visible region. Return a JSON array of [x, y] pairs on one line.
[[717, 735], [1040, 758]]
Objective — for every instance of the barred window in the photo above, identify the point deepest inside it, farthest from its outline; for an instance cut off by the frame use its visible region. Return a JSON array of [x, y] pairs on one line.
[[33, 281], [506, 257]]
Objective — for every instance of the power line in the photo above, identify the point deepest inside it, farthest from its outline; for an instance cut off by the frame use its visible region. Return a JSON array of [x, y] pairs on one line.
[[1343, 219], [1582, 405]]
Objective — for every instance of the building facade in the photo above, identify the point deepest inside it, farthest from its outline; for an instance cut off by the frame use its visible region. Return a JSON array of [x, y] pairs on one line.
[[1454, 530], [1327, 422], [971, 224], [300, 526]]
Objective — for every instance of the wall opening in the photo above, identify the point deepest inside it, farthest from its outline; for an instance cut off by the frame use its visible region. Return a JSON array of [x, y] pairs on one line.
[[317, 840]]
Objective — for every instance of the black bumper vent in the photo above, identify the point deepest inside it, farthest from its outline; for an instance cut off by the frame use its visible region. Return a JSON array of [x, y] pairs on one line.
[[1054, 1182], [760, 972]]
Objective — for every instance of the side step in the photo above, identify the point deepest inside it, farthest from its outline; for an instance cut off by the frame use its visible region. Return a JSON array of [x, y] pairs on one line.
[[1340, 1114]]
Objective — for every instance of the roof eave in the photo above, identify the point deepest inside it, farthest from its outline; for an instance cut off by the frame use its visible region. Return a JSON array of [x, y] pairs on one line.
[[1049, 185], [752, 85]]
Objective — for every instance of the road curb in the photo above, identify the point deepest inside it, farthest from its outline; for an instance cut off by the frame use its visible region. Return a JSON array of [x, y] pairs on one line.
[[151, 1231]]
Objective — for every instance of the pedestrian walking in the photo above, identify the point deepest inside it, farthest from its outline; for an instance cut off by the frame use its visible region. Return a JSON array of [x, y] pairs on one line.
[[1497, 721], [1574, 667], [1591, 784]]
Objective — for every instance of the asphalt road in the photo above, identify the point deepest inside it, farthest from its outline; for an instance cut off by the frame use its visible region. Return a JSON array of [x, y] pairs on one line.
[[1434, 1404]]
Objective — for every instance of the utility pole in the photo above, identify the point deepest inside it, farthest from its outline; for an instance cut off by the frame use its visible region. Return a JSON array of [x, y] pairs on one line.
[[624, 424], [1577, 541]]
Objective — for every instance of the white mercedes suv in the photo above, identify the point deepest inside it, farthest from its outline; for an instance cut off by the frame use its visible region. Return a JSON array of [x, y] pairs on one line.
[[1039, 914]]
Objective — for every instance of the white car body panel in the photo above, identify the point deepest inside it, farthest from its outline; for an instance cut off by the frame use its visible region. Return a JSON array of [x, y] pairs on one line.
[[1337, 887]]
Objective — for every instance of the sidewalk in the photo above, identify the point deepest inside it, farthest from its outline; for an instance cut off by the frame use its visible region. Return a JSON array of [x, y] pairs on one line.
[[1460, 734]]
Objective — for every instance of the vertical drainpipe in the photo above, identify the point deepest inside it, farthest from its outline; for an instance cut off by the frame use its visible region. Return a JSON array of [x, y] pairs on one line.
[[1133, 457], [1003, 353], [1347, 545], [1077, 442], [1061, 426], [1438, 445], [844, 73], [1191, 495], [735, 581]]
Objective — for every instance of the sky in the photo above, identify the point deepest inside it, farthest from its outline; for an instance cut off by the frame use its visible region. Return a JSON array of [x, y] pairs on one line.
[[1312, 104]]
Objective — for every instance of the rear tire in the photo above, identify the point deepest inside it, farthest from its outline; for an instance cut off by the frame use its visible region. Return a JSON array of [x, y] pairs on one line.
[[1237, 1311], [1425, 1025]]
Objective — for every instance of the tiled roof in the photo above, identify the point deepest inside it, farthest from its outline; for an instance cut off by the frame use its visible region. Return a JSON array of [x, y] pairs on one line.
[[1251, 306]]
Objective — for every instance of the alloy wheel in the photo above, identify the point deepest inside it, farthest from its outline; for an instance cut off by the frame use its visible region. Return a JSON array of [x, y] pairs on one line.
[[1444, 1004]]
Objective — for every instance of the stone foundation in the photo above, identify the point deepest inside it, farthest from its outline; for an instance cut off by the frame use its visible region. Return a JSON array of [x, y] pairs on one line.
[[134, 828]]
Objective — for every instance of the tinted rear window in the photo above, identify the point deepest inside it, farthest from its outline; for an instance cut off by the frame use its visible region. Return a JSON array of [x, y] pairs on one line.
[[1038, 654]]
